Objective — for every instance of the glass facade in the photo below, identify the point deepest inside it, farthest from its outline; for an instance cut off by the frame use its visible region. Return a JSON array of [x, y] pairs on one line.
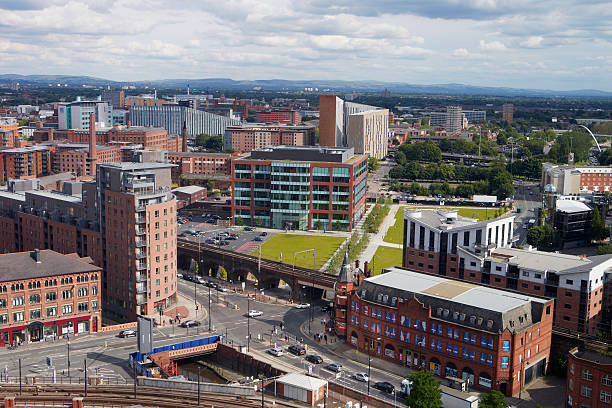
[[298, 195]]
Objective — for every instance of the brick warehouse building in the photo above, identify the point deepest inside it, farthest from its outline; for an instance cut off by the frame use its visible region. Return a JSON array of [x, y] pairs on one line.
[[280, 116], [203, 163], [125, 221], [47, 294], [492, 338], [245, 138], [443, 243], [300, 187], [589, 378], [24, 162]]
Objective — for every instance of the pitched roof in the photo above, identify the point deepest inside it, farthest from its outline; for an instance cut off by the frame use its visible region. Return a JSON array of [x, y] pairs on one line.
[[21, 265]]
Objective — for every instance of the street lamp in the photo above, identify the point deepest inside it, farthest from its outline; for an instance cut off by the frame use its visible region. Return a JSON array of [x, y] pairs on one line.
[[209, 325], [248, 323], [68, 345], [370, 364]]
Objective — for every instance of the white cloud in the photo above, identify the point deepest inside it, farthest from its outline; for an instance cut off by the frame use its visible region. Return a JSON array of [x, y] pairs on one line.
[[461, 52], [492, 46], [533, 42]]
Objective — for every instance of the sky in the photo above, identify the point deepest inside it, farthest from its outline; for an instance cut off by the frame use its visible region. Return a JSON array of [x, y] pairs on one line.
[[541, 44]]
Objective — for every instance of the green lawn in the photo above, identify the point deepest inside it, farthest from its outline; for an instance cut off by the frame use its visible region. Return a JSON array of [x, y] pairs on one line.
[[396, 231], [288, 244], [384, 258]]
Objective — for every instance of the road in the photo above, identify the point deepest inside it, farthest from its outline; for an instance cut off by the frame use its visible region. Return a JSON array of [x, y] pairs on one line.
[[108, 353], [527, 197]]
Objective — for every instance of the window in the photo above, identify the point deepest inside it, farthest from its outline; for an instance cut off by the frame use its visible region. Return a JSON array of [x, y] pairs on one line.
[[456, 334], [67, 294], [567, 306], [472, 355], [35, 314], [3, 303], [455, 350], [35, 298], [51, 311], [466, 337], [586, 391], [465, 353], [18, 301], [18, 316], [449, 333], [483, 342], [606, 379], [51, 296], [569, 281], [604, 396], [504, 362], [433, 328], [587, 374], [67, 309], [490, 343], [483, 358], [94, 306], [94, 290], [82, 292], [83, 306], [449, 348], [3, 319], [473, 338]]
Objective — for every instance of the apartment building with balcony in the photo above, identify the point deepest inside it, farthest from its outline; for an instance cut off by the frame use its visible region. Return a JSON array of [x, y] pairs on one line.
[[24, 162], [443, 243], [9, 132], [125, 221], [299, 188], [245, 138]]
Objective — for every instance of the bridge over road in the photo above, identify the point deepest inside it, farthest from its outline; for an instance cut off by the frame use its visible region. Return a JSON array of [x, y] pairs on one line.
[[238, 266]]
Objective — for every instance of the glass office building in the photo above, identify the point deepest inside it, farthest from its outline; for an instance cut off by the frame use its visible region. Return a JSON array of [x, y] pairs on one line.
[[299, 188]]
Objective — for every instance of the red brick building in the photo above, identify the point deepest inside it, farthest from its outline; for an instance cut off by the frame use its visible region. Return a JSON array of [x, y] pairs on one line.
[[24, 162], [279, 116], [46, 294], [9, 132], [200, 163], [589, 379], [248, 137], [443, 243], [492, 338], [187, 195]]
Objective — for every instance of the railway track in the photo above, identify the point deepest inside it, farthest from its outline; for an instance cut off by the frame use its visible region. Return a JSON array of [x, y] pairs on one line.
[[146, 396]]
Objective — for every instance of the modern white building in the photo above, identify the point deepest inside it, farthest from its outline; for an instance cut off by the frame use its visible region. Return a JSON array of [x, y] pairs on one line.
[[454, 119], [75, 115]]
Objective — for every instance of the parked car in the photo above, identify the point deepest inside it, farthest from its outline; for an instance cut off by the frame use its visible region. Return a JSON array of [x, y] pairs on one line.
[[276, 351], [188, 277], [302, 306], [363, 377], [190, 323], [314, 358], [179, 275], [211, 221], [249, 229], [263, 234], [255, 313], [231, 238], [209, 241], [200, 280], [384, 386], [127, 333], [258, 239], [335, 367], [221, 288], [297, 349]]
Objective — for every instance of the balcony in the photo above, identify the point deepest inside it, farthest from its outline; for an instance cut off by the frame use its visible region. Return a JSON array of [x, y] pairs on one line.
[[512, 275], [141, 220], [141, 254], [141, 299], [141, 288], [551, 281], [141, 242], [141, 277], [141, 231], [141, 266]]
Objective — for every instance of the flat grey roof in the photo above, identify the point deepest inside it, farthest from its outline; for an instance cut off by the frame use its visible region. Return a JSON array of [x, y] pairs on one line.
[[436, 218], [55, 195], [13, 196], [467, 293], [21, 265], [188, 189], [137, 166], [540, 260]]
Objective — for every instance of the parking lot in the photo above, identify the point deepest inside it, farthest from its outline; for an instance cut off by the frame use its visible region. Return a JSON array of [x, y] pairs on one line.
[[237, 238]]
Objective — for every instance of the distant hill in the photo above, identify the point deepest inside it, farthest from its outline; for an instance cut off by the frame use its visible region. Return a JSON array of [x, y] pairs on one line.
[[295, 85]]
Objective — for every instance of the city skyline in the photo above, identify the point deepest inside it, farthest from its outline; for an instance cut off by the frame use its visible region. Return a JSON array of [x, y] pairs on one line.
[[560, 46]]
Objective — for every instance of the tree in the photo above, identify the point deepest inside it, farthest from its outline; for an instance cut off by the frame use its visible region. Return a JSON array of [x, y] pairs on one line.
[[424, 391], [373, 164], [337, 226], [318, 224], [604, 249], [238, 221], [597, 226], [493, 399], [446, 171], [258, 222], [400, 158], [212, 143]]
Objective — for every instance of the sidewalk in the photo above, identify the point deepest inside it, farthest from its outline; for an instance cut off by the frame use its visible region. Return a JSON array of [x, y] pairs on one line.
[[376, 240], [184, 307]]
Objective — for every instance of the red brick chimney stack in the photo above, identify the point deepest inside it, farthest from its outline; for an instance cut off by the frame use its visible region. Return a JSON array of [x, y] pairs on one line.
[[92, 136], [185, 137], [50, 134]]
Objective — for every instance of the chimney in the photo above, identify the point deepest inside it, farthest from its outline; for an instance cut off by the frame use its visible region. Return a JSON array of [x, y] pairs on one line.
[[39, 125], [184, 137], [93, 157], [50, 134], [366, 270], [129, 124], [36, 255]]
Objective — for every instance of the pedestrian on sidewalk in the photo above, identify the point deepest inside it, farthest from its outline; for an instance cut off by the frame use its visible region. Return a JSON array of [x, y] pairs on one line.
[[325, 339]]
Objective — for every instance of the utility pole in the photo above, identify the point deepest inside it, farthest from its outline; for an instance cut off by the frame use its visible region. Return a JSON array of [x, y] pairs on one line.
[[263, 391], [68, 344], [134, 378], [19, 377], [248, 323], [209, 324], [85, 371], [198, 385]]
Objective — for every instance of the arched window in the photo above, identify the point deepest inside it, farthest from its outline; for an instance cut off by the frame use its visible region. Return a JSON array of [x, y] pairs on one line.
[[389, 350], [434, 365], [484, 379], [451, 370], [354, 339], [469, 374]]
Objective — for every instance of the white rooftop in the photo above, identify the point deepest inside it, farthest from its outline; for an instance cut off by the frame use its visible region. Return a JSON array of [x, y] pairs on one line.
[[302, 381], [188, 189], [570, 206]]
